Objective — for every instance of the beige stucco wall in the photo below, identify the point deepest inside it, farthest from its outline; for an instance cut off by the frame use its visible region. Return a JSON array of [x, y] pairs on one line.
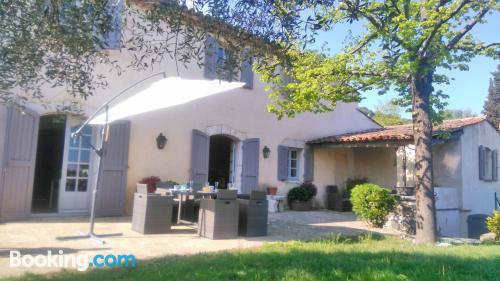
[[3, 117], [447, 164], [240, 110], [477, 196], [377, 164], [332, 166]]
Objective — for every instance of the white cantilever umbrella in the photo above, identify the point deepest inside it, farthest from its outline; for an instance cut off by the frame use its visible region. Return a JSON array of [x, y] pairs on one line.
[[162, 94]]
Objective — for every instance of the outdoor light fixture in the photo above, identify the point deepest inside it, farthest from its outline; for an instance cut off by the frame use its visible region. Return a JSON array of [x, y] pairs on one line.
[[161, 140], [266, 152]]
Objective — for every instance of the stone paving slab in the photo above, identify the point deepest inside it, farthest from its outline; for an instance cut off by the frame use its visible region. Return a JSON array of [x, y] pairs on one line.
[[37, 235]]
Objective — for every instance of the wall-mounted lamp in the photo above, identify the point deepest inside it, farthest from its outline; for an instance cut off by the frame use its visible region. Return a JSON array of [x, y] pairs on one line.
[[266, 152], [161, 140]]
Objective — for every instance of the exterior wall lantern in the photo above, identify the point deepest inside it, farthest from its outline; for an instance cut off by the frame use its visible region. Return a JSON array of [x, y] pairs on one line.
[[266, 152], [161, 140]]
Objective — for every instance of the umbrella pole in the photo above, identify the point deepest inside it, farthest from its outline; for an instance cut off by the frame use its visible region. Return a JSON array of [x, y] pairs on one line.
[[95, 188], [99, 152]]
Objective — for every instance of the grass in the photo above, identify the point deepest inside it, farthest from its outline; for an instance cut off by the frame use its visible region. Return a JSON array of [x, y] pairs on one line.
[[365, 257]]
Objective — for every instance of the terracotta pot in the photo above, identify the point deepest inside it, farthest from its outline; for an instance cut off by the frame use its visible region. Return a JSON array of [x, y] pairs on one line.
[[272, 190], [301, 205]]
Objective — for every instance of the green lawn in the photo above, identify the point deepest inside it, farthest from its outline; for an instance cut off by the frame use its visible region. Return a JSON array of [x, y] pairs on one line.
[[357, 258]]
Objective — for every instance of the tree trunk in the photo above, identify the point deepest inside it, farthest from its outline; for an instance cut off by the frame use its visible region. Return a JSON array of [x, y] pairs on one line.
[[421, 89]]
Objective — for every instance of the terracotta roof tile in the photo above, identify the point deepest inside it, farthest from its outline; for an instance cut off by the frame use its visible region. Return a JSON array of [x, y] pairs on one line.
[[398, 133]]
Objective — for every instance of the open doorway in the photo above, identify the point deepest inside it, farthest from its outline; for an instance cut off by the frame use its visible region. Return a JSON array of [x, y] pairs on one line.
[[221, 161], [48, 165]]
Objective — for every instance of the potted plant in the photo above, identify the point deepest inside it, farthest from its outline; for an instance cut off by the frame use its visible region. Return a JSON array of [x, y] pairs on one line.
[[272, 190], [300, 197], [151, 182]]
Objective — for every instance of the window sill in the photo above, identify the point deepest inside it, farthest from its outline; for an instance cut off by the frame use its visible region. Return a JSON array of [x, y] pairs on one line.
[[293, 181]]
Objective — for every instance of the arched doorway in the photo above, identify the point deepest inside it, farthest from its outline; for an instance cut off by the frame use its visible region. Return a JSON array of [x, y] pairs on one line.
[[222, 161]]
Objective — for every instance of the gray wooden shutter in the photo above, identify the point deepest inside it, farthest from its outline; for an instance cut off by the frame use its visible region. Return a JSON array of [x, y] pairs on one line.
[[211, 47], [112, 39], [308, 164], [200, 148], [112, 181], [481, 163], [282, 163], [16, 188], [250, 169], [494, 165], [246, 75]]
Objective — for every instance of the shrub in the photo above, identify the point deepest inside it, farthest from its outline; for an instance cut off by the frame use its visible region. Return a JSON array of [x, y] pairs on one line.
[[310, 187], [350, 184], [372, 203], [493, 223], [299, 193]]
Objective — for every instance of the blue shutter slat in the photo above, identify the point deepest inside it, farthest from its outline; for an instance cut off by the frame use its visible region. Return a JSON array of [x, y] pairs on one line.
[[282, 163], [494, 156], [250, 169], [246, 75], [481, 163], [211, 47], [112, 182], [112, 40], [308, 164], [199, 158]]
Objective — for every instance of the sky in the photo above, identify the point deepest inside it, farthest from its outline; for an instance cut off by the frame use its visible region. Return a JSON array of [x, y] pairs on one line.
[[469, 89]]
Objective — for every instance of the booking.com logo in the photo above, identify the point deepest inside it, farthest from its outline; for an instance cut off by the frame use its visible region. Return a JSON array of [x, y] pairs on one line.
[[80, 262]]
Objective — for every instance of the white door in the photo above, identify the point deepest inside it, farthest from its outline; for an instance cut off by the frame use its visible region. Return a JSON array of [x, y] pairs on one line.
[[74, 194]]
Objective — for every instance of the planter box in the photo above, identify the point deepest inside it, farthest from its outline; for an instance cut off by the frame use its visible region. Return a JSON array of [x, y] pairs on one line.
[[252, 217], [152, 213], [218, 218], [335, 202], [301, 205]]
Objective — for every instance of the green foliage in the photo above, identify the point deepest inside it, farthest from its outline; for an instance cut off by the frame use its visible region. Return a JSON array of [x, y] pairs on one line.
[[53, 43], [310, 187], [457, 114], [403, 42], [350, 184], [372, 203], [492, 104], [493, 223], [304, 192], [388, 113]]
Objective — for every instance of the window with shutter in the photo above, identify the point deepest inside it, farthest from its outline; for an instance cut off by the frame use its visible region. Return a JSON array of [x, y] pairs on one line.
[[488, 164], [112, 39], [220, 63]]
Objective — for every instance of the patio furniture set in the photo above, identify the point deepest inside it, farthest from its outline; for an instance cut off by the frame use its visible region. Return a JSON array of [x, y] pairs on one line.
[[221, 214]]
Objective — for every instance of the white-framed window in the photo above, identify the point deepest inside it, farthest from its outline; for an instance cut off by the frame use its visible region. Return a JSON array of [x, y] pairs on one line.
[[77, 170], [293, 164]]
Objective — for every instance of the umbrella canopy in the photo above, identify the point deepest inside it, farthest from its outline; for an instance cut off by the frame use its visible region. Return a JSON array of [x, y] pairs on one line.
[[162, 94]]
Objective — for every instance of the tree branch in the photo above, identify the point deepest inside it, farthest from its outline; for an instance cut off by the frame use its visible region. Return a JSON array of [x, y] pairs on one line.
[[364, 43], [427, 42], [489, 46], [466, 28]]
